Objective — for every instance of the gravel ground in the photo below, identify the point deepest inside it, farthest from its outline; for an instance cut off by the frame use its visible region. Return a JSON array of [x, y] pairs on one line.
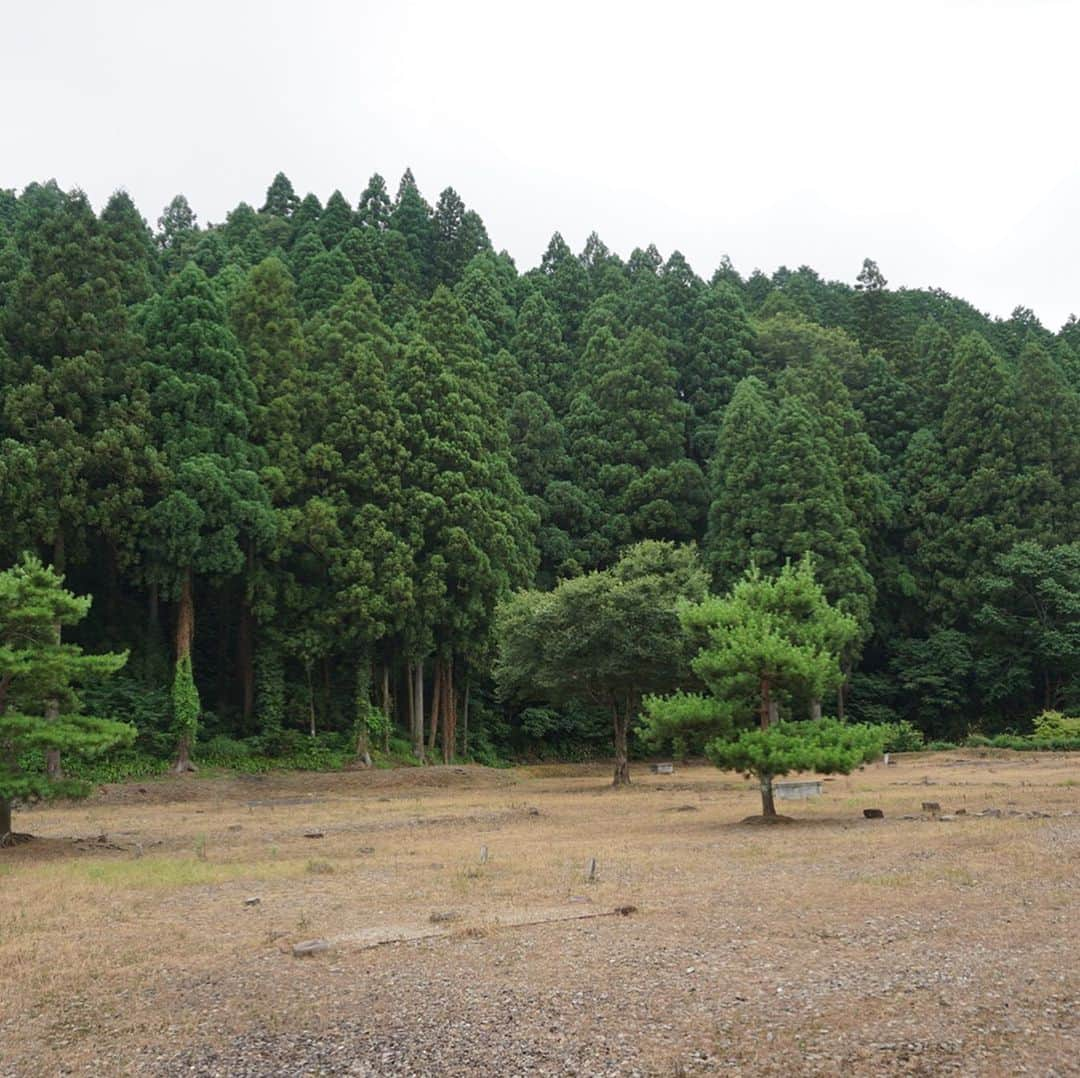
[[836, 945]]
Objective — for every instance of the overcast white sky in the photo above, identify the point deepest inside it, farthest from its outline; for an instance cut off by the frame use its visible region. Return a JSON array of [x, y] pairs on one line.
[[940, 138]]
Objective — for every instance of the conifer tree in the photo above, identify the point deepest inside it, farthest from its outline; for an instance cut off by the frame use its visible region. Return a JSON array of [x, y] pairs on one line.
[[335, 221], [411, 217], [767, 635], [281, 199], [373, 209], [717, 356], [176, 233], [212, 506], [323, 280], [36, 667], [467, 519], [132, 246]]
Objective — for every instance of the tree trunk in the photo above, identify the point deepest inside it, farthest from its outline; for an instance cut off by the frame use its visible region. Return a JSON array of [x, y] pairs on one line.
[[418, 709], [622, 762], [815, 710], [774, 711], [436, 705], [5, 820], [768, 807], [387, 707], [245, 658], [183, 756], [185, 619], [363, 707], [765, 713], [465, 721], [311, 699], [152, 656], [185, 633], [328, 691], [223, 672], [52, 756], [841, 692], [449, 720]]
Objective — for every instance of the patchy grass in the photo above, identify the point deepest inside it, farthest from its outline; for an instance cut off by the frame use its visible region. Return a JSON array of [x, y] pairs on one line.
[[802, 948]]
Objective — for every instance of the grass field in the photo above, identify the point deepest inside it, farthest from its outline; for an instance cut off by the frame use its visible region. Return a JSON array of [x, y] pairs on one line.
[[831, 945]]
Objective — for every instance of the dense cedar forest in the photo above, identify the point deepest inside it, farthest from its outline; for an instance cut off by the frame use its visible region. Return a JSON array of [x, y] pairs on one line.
[[298, 457]]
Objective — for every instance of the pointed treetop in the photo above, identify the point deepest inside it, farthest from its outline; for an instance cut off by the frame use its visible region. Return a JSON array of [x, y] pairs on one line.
[[281, 199], [870, 278], [374, 206]]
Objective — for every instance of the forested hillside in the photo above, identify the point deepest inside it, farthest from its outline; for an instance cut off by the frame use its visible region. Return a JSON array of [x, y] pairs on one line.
[[299, 456]]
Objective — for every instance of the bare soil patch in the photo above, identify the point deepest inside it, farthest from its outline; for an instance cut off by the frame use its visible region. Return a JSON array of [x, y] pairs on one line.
[[152, 933]]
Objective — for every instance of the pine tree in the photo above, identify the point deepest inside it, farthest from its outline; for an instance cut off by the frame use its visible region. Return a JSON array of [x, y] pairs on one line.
[[39, 682], [768, 635]]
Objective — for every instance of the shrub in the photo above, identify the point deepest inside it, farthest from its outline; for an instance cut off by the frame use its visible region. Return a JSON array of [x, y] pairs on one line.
[[902, 736], [225, 751], [1053, 725]]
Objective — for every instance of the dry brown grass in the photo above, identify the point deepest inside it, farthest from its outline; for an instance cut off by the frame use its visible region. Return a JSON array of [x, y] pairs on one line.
[[876, 947]]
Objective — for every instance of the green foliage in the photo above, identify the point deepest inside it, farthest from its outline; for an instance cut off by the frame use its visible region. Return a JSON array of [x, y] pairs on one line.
[[186, 707], [901, 736], [1052, 725], [40, 679], [826, 746], [318, 437], [767, 636], [605, 638]]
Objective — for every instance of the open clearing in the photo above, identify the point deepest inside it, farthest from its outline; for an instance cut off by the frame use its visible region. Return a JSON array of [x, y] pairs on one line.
[[832, 945]]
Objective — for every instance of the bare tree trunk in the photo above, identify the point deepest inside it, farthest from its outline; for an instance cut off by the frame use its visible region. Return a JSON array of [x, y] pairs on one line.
[[449, 715], [185, 619], [465, 721], [245, 657], [224, 681], [5, 820], [328, 690], [620, 722], [311, 699], [409, 694], [387, 707], [153, 634], [418, 709], [768, 807], [841, 692], [436, 705], [815, 710]]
